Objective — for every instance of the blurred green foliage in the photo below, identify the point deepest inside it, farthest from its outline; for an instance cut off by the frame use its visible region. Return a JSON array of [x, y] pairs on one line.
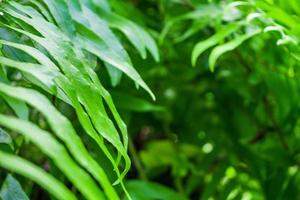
[[231, 134]]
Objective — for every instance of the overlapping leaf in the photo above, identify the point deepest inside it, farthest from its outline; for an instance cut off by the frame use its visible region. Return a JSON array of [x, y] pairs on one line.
[[70, 74], [31, 171]]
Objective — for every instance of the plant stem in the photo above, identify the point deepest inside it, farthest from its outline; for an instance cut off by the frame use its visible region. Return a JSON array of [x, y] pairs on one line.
[[136, 161], [274, 124]]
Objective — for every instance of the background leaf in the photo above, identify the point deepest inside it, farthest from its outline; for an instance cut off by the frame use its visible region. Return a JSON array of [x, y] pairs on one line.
[[11, 189]]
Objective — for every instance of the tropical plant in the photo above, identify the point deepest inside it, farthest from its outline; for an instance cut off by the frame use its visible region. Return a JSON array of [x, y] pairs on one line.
[[225, 124], [55, 47]]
